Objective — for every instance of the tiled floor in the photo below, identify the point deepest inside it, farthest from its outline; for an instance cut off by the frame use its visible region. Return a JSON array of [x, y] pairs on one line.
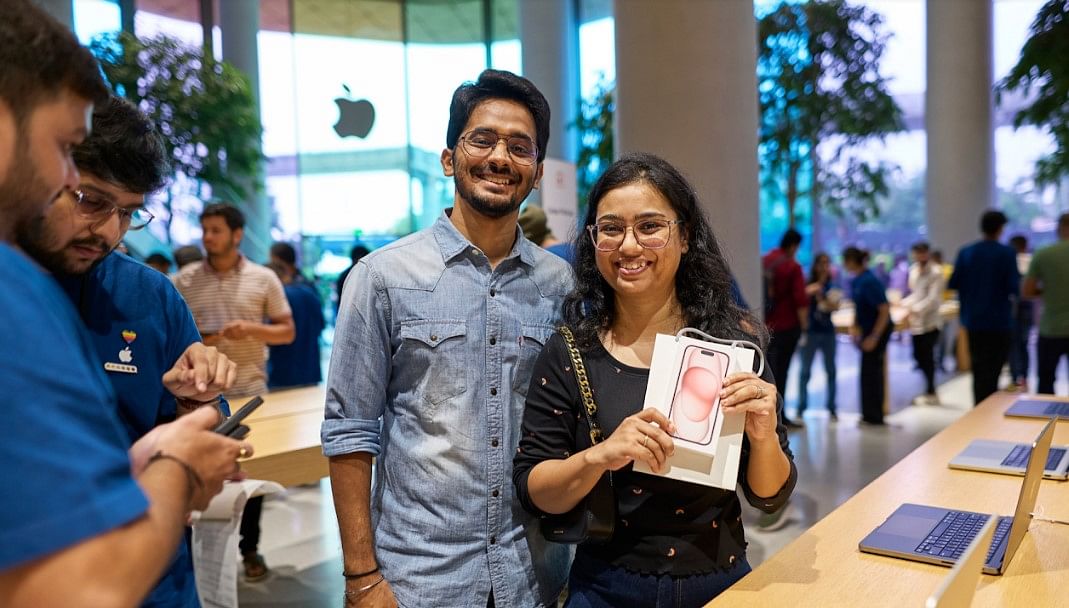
[[834, 459]]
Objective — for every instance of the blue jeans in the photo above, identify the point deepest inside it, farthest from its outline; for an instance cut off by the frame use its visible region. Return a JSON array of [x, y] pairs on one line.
[[596, 584], [825, 343]]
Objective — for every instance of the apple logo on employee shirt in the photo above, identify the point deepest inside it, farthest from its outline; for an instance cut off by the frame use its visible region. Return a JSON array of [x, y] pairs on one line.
[[355, 117]]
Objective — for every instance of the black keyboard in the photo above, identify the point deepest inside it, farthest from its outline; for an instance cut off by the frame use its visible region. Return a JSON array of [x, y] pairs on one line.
[[1018, 457], [1057, 409], [953, 535], [1001, 530]]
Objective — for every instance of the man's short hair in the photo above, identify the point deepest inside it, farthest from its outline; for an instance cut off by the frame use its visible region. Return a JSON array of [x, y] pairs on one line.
[[40, 58], [284, 252], [1019, 242], [124, 149], [232, 215], [992, 221], [187, 254], [790, 238], [158, 258], [920, 247], [357, 252], [498, 84]]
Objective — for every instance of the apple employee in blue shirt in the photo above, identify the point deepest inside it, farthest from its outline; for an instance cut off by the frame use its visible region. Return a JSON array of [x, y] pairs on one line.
[[140, 326], [86, 519], [433, 351]]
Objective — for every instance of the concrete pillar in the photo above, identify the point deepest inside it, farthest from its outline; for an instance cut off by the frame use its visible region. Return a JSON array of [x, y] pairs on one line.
[[61, 10], [686, 83], [958, 118], [239, 22], [551, 61]]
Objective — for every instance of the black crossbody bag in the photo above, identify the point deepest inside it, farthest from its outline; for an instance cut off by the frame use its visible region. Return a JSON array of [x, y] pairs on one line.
[[594, 518]]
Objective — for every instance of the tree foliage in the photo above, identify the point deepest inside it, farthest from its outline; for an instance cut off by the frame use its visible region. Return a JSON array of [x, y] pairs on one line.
[[205, 109], [822, 99], [1043, 70], [596, 142]]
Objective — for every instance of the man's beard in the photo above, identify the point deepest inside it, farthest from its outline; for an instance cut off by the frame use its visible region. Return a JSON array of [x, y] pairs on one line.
[[35, 238], [486, 207], [23, 194]]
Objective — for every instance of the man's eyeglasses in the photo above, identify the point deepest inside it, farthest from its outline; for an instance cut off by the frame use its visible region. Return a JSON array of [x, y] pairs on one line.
[[99, 208], [481, 143], [650, 234]]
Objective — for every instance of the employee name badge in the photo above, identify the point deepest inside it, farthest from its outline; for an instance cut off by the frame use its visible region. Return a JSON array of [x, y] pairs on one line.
[[686, 377]]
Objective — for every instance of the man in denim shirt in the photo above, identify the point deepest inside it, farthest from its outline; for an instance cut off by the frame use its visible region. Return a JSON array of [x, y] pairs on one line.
[[433, 351]]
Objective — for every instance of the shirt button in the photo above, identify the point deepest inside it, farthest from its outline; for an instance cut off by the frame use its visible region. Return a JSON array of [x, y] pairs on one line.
[[493, 341], [731, 560], [671, 552], [493, 292], [493, 442], [493, 391], [493, 540], [434, 338], [495, 493]]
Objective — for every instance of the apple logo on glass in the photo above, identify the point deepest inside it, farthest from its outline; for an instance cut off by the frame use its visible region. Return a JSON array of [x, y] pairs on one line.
[[355, 117]]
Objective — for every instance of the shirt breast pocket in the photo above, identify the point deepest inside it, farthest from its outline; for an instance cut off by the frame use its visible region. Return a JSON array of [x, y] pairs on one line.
[[533, 337], [433, 354]]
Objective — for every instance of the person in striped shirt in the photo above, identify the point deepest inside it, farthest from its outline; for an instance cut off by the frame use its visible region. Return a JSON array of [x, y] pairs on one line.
[[240, 308]]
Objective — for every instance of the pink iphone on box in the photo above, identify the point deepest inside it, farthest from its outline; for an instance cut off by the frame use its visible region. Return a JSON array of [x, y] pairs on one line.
[[696, 402]]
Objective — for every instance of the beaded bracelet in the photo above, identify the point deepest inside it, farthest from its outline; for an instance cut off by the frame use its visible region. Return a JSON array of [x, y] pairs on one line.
[[364, 589], [350, 575], [192, 479]]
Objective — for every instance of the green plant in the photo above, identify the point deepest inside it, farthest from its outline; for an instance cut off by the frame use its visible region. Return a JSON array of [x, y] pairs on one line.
[[1043, 70], [822, 98], [596, 142], [205, 110]]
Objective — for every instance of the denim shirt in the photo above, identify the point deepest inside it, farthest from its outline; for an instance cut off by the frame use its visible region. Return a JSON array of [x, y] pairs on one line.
[[432, 356]]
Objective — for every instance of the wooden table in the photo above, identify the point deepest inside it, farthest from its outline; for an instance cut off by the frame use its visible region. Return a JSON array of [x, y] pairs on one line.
[[285, 435], [823, 567]]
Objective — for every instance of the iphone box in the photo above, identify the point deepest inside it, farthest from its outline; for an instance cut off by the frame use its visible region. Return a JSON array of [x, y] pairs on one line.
[[686, 376]]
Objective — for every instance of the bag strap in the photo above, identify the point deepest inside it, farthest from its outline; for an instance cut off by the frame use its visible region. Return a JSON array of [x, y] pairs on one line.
[[589, 407]]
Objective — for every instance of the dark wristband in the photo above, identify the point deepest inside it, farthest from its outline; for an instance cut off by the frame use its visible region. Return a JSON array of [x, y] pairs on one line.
[[352, 575], [192, 479]]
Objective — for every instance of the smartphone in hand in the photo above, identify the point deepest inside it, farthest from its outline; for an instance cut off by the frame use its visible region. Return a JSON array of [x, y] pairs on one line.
[[231, 425], [696, 400]]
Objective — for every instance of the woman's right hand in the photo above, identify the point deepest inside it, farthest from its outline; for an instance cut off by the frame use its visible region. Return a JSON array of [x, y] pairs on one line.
[[642, 437]]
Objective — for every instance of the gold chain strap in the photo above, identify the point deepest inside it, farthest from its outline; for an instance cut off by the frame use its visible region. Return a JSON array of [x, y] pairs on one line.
[[584, 384]]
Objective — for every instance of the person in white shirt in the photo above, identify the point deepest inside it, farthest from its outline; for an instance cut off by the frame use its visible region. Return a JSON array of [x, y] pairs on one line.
[[926, 286]]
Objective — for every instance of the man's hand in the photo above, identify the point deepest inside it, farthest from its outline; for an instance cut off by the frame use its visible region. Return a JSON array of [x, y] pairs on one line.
[[869, 343], [238, 330], [213, 457], [201, 373]]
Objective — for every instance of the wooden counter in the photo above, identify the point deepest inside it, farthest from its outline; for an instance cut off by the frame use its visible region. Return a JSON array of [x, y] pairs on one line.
[[285, 435], [824, 567]]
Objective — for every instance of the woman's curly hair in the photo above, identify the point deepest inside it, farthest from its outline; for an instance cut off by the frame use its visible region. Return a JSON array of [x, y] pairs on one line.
[[703, 280]]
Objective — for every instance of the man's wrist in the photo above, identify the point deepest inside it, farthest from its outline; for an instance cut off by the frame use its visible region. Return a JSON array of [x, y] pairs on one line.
[[190, 403]]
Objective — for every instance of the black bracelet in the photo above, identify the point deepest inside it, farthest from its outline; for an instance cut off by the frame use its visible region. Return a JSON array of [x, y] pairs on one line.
[[197, 403], [192, 479], [350, 575]]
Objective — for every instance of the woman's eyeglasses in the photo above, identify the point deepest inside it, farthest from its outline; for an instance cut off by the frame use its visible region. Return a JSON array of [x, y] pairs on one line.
[[650, 234], [99, 208]]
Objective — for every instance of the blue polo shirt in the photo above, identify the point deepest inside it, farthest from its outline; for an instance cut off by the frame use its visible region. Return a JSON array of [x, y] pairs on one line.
[[65, 471], [297, 363], [868, 294], [986, 277], [139, 326]]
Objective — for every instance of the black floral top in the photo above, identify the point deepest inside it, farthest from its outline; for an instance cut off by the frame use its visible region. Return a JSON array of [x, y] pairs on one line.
[[664, 526]]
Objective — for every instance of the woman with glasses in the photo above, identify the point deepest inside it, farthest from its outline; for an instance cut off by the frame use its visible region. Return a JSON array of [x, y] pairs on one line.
[[647, 263]]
